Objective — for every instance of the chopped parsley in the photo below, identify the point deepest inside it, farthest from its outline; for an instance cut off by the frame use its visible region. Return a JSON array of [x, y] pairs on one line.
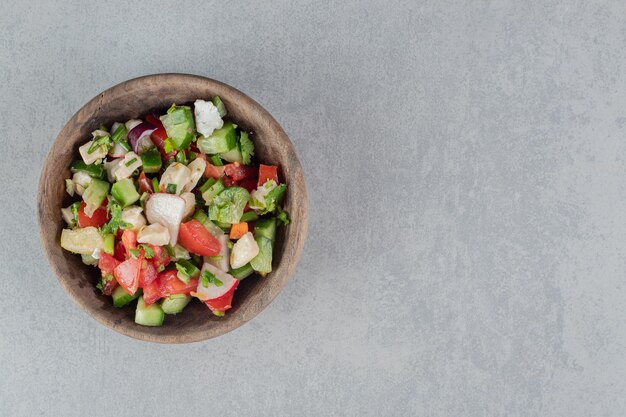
[[147, 251], [134, 253], [283, 216], [116, 222], [171, 188]]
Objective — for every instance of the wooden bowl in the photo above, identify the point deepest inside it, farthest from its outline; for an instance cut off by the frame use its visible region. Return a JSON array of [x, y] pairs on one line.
[[136, 98]]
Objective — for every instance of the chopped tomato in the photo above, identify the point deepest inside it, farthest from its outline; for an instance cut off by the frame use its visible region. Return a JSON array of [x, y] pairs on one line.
[[147, 274], [249, 184], [97, 219], [161, 258], [267, 172], [194, 237], [107, 263], [120, 252], [145, 185], [223, 302], [127, 274], [238, 172], [158, 136], [152, 292], [211, 171], [129, 239], [169, 284]]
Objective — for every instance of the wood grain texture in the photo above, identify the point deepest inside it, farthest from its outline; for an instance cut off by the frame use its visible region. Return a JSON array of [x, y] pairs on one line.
[[136, 98]]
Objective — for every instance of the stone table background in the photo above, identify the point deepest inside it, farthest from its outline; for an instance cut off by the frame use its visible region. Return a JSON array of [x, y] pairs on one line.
[[467, 242]]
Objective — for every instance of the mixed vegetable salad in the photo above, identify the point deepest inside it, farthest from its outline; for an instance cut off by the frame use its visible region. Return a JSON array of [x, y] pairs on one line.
[[171, 208]]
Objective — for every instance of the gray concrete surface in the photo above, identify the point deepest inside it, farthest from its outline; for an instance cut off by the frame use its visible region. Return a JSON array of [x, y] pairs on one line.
[[466, 169]]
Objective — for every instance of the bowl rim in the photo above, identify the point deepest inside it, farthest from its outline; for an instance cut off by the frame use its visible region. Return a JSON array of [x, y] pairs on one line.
[[190, 336]]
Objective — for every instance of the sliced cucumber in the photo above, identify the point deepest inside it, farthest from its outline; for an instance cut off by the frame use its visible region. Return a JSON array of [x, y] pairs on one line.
[[234, 155], [108, 244], [124, 192], [265, 228], [242, 272], [221, 140], [175, 303], [121, 297], [151, 315], [263, 261]]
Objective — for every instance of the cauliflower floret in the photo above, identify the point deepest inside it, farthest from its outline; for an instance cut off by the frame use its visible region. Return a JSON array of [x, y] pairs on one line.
[[207, 117]]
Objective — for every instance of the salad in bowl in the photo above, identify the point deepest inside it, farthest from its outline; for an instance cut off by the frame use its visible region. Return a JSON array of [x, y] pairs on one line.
[[173, 207]]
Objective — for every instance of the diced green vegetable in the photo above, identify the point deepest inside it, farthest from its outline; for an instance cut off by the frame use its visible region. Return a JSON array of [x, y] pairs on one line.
[[242, 272], [246, 146], [201, 216], [151, 315], [263, 261], [180, 126], [124, 192], [282, 217], [224, 226], [119, 137], [273, 198], [221, 107], [233, 155], [265, 228], [209, 278], [108, 245], [122, 298], [248, 216], [93, 170], [181, 157], [213, 191], [221, 140], [155, 185], [94, 195], [228, 206], [175, 303], [151, 161], [217, 161], [208, 224], [186, 270], [171, 188], [207, 184]]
